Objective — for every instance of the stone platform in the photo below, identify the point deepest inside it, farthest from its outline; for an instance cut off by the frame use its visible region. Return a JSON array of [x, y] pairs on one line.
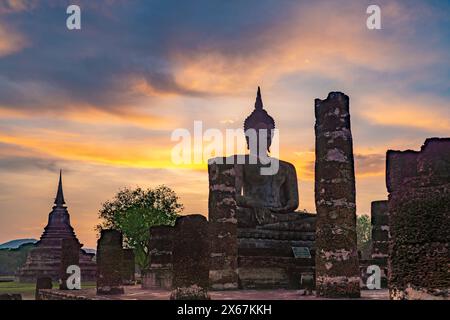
[[265, 253], [137, 293]]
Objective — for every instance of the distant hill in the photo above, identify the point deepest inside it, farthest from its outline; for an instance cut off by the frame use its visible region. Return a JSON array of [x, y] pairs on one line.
[[14, 244], [12, 259]]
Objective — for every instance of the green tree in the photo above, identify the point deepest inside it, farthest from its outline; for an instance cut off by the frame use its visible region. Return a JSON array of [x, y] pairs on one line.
[[363, 232], [134, 211]]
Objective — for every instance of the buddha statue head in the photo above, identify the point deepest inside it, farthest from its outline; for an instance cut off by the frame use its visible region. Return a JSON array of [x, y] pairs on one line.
[[259, 125]]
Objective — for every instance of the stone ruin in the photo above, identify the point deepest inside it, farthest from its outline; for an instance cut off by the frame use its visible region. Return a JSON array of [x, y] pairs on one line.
[[70, 255], [42, 283], [337, 269], [258, 257], [191, 251], [223, 272], [379, 244], [44, 259], [252, 247], [259, 240], [418, 183], [380, 238], [128, 267], [109, 263], [10, 296], [160, 272]]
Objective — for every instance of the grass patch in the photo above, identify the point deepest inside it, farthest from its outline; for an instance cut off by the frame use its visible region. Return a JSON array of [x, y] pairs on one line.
[[27, 290]]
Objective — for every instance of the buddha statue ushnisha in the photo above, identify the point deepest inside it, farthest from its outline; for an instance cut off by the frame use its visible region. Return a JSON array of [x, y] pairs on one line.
[[264, 200]]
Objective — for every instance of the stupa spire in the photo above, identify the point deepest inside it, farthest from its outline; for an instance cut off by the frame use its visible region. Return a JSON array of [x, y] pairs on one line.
[[59, 200], [258, 102]]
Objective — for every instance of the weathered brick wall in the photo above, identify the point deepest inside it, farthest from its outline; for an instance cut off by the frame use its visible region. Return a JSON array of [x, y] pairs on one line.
[[419, 218], [42, 283], [160, 272], [49, 294], [266, 258], [109, 262], [337, 271], [191, 258], [70, 255], [128, 267], [222, 225], [380, 237]]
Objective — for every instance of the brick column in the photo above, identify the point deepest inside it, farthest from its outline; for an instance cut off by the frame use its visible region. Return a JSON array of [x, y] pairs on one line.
[[337, 270], [190, 258], [128, 267], [42, 283], [380, 237], [160, 272], [222, 225], [109, 262], [70, 255]]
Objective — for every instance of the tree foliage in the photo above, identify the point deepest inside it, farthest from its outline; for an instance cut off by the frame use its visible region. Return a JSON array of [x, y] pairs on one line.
[[363, 232], [134, 211]]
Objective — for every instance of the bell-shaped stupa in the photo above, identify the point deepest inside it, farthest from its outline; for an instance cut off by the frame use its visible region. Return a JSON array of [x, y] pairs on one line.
[[45, 258]]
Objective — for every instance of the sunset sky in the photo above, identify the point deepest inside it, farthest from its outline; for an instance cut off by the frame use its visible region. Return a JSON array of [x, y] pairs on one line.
[[101, 102]]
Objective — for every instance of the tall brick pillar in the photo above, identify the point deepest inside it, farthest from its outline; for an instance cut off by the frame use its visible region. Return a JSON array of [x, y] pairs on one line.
[[109, 262], [160, 272], [70, 255], [222, 225], [191, 258], [337, 270], [380, 237], [419, 219], [129, 267]]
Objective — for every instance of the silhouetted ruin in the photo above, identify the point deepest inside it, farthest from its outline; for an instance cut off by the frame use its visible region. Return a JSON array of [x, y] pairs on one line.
[[418, 183], [337, 270], [109, 262], [45, 258]]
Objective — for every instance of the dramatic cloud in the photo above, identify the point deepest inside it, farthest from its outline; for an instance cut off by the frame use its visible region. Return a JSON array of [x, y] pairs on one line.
[[128, 51], [102, 102]]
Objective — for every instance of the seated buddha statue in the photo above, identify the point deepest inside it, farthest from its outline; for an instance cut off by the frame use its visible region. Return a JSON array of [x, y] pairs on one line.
[[265, 201]]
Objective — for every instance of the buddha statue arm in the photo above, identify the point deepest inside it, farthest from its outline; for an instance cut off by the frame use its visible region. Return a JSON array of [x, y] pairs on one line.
[[241, 200], [290, 190]]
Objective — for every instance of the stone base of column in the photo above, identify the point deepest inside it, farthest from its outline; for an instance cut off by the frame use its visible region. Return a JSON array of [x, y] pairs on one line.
[[190, 293], [338, 287], [107, 290], [158, 279]]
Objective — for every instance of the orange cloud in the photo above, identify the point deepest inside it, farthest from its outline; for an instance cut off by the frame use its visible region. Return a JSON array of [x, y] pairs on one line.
[[366, 164], [92, 115], [10, 41], [64, 146], [10, 6], [122, 115], [426, 113]]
